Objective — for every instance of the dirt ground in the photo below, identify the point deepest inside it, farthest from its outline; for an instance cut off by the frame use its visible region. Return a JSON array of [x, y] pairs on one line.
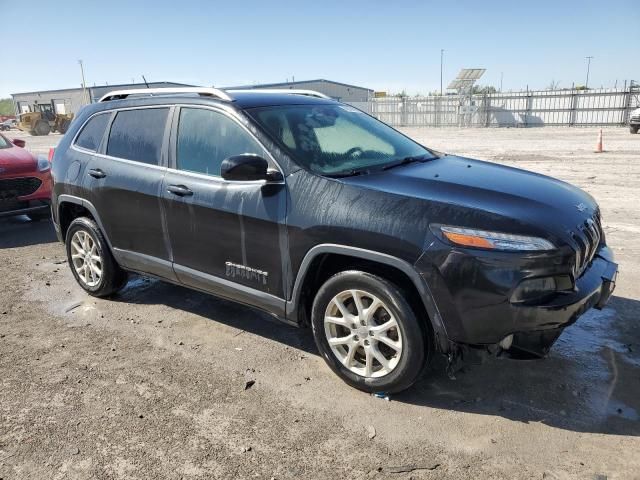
[[151, 384]]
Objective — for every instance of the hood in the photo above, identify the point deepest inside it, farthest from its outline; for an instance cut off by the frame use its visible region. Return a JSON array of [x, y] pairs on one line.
[[16, 160], [508, 193]]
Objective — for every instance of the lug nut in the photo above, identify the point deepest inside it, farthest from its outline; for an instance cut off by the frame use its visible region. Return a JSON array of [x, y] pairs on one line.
[[366, 342], [355, 337], [371, 333]]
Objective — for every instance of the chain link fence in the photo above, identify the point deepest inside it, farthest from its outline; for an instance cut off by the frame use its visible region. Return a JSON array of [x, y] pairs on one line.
[[514, 109]]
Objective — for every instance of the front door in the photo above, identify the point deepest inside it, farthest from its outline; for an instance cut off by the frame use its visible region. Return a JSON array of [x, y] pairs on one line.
[[226, 237]]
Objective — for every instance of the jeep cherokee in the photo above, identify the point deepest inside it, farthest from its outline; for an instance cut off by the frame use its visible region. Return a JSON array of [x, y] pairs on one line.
[[321, 215]]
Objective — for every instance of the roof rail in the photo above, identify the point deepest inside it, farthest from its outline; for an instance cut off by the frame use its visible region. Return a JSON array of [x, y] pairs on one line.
[[202, 91], [291, 91]]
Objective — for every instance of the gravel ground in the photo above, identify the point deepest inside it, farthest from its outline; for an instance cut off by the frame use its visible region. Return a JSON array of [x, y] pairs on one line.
[[152, 383]]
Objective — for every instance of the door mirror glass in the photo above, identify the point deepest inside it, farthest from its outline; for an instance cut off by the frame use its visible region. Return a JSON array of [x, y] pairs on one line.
[[245, 167], [18, 142]]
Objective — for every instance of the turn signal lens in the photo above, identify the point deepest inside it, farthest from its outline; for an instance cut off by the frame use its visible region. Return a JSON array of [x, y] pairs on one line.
[[469, 237], [468, 240]]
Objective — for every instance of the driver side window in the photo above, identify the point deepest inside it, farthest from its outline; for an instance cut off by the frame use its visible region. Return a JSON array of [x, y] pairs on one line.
[[206, 138]]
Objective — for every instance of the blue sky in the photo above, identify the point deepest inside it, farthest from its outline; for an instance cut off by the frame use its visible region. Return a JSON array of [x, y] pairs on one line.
[[392, 45]]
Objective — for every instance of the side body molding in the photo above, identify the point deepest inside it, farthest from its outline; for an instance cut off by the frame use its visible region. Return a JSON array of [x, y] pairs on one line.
[[402, 265]]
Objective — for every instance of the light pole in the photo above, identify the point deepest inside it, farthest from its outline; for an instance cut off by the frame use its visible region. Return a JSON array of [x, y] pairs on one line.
[[441, 62], [586, 84], [84, 85], [501, 74]]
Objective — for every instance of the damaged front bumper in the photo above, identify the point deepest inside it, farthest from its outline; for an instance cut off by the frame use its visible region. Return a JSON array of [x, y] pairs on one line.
[[474, 296]]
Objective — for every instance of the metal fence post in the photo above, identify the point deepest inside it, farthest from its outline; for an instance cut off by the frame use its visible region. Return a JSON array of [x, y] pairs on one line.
[[487, 109], [627, 106], [404, 115]]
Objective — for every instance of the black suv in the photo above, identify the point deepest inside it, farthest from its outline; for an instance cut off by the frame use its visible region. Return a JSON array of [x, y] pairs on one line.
[[319, 214]]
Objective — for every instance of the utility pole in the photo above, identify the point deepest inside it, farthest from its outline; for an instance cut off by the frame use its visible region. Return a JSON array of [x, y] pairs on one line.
[[501, 74], [84, 85], [586, 84], [441, 62]]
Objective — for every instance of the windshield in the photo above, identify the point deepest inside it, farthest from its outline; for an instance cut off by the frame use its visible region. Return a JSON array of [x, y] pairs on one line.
[[337, 139]]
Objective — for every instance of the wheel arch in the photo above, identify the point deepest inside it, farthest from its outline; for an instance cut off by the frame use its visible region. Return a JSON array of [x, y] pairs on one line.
[[70, 207], [324, 260]]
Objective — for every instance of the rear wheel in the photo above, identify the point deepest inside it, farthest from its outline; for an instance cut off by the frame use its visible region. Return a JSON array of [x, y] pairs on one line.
[[64, 126], [42, 128], [91, 261], [633, 129], [368, 333]]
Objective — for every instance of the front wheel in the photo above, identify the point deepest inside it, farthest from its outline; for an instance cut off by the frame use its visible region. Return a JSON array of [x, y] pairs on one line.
[[42, 128], [633, 129], [90, 259], [368, 333]]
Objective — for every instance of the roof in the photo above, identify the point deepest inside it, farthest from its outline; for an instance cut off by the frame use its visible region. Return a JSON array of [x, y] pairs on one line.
[[120, 85], [241, 100], [256, 99], [294, 84]]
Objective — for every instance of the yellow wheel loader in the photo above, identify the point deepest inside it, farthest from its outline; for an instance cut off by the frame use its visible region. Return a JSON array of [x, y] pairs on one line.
[[43, 120]]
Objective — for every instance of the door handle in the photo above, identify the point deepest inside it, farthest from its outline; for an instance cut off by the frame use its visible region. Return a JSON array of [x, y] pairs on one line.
[[97, 173], [179, 190]]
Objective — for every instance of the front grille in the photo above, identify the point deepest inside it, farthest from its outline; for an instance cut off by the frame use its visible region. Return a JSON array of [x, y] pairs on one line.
[[12, 188], [587, 237], [635, 118]]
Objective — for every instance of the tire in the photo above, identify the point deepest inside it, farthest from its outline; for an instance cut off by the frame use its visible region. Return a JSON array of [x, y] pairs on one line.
[[64, 126], [111, 277], [409, 335], [42, 128], [633, 129], [39, 216]]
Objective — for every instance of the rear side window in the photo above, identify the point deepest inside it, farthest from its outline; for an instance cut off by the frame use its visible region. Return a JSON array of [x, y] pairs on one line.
[[92, 133], [137, 135]]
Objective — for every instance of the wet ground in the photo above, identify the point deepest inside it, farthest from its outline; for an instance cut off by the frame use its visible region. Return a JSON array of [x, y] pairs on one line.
[[151, 384]]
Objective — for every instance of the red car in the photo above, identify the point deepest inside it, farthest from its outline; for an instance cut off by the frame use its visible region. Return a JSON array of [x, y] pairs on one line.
[[25, 181]]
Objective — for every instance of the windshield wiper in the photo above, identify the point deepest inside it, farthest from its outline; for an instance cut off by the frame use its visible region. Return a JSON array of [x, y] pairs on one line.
[[348, 173], [406, 161]]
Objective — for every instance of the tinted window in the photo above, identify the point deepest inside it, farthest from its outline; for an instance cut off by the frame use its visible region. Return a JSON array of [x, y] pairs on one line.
[[4, 143], [206, 138], [137, 135], [92, 133]]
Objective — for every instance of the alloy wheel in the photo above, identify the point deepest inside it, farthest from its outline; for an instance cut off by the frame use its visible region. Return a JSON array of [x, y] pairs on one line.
[[86, 258], [363, 333]]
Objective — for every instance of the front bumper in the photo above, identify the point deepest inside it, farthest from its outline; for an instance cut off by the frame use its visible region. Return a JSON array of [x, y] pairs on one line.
[[36, 202], [27, 207], [473, 291]]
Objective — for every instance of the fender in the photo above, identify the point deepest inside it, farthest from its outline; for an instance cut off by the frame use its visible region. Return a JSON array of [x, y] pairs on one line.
[[86, 204], [420, 284]]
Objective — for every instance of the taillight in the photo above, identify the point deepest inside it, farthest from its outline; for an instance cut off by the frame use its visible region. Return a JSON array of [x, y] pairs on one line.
[[51, 152]]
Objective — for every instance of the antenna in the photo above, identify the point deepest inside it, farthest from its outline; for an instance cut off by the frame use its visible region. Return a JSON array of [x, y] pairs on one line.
[[145, 81]]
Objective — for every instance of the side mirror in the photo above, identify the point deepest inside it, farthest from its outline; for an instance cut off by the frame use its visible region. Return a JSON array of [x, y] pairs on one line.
[[248, 167], [18, 142]]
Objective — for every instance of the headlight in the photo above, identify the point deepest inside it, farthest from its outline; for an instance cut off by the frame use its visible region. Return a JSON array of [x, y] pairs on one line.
[[469, 237], [43, 163]]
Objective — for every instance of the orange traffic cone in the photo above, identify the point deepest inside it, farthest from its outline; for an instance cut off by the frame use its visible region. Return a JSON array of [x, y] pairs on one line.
[[599, 144]]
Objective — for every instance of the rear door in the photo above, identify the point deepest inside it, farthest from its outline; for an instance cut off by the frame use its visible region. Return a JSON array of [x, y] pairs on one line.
[[224, 236], [124, 179]]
